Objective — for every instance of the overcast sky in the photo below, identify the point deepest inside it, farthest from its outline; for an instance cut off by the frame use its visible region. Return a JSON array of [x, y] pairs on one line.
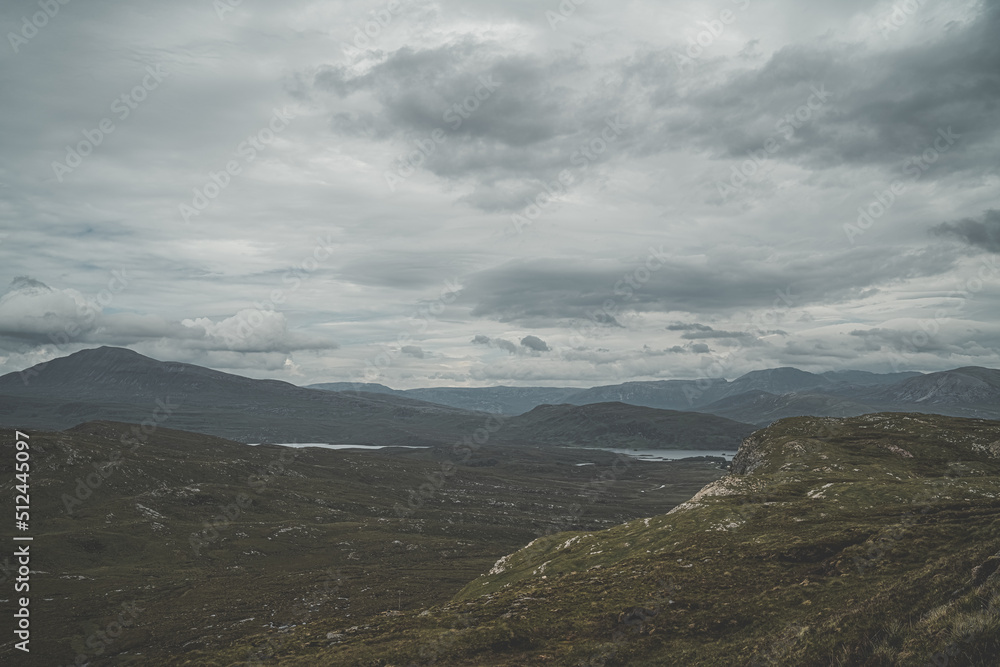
[[510, 192]]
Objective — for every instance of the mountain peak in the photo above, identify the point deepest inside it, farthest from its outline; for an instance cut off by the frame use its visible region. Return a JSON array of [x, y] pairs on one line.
[[106, 357], [108, 352], [781, 371]]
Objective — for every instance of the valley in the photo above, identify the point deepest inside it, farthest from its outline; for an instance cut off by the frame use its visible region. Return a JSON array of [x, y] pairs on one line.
[[209, 541], [864, 541], [169, 529]]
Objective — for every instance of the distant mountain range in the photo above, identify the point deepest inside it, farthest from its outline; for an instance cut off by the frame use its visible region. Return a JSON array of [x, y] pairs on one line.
[[759, 397], [121, 385], [498, 400]]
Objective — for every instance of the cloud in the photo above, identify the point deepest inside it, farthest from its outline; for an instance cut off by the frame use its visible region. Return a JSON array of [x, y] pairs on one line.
[[982, 233], [826, 103], [253, 330], [505, 345], [694, 326], [31, 311], [412, 351], [899, 341], [848, 104], [510, 121], [535, 343], [501, 343], [696, 331], [880, 106], [606, 319], [557, 291]]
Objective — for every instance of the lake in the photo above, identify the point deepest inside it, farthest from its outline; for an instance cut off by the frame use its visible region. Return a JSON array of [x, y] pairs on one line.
[[325, 445], [665, 454]]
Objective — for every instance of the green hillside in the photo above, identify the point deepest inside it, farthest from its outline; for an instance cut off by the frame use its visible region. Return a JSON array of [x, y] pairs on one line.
[[211, 546], [864, 541]]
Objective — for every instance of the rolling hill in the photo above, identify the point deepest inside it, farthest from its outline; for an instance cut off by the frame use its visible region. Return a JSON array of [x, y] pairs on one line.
[[622, 425], [203, 543], [122, 385], [872, 540], [762, 408]]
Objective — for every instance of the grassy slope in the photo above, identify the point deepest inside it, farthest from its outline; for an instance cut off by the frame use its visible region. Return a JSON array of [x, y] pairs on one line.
[[837, 542], [322, 539]]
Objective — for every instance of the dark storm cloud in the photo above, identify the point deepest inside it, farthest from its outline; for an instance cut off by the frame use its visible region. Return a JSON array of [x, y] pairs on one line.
[[509, 121], [552, 291], [694, 326], [501, 343], [854, 105], [879, 339], [820, 105], [983, 233], [535, 343], [417, 91], [606, 319], [954, 341]]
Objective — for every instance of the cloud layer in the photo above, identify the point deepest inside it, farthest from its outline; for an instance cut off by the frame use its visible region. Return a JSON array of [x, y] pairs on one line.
[[477, 193]]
